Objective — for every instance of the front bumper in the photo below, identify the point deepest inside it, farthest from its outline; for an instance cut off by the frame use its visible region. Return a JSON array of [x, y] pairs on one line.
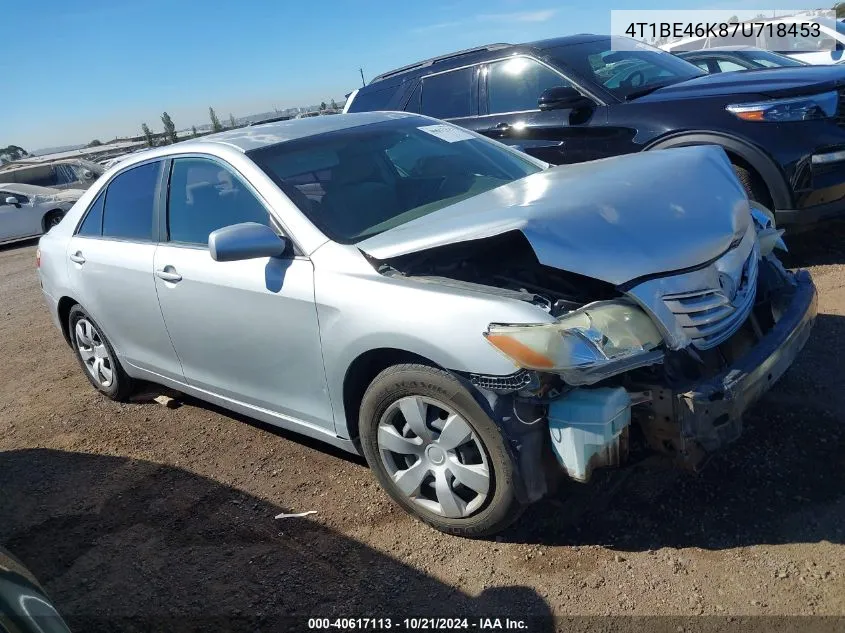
[[700, 419]]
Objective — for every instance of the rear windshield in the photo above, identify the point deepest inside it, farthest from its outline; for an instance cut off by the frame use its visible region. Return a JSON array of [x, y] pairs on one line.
[[361, 181]]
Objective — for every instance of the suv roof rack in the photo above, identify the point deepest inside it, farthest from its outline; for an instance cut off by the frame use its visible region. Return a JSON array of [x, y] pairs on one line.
[[434, 60]]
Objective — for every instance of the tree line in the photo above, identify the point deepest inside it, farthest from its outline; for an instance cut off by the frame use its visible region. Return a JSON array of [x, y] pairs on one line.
[[169, 135]]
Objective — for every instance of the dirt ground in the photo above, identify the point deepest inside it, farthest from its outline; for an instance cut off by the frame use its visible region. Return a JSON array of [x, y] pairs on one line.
[[167, 515]]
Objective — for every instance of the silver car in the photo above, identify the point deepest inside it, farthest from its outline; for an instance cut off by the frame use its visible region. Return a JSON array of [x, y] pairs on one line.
[[461, 314], [28, 211]]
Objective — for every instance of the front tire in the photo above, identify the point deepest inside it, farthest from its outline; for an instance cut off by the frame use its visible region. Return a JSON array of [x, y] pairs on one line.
[[437, 453], [96, 356]]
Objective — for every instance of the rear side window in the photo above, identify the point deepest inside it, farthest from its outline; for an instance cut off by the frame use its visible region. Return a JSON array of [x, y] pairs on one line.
[[92, 225], [130, 199], [369, 100], [205, 196], [448, 95]]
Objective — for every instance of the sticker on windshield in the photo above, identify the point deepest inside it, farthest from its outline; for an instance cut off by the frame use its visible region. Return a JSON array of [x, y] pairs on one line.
[[448, 133]]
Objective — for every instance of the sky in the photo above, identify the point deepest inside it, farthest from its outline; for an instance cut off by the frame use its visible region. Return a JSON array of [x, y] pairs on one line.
[[84, 69]]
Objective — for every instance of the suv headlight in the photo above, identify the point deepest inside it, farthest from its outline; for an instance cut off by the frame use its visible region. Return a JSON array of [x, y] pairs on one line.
[[820, 106], [597, 334]]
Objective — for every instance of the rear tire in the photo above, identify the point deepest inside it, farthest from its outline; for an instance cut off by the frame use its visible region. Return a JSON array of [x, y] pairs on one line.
[[96, 356], [459, 481], [51, 219]]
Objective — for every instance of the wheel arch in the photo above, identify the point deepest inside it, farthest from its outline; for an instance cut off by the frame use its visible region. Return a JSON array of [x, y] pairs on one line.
[[362, 371], [63, 309], [757, 161], [46, 215]]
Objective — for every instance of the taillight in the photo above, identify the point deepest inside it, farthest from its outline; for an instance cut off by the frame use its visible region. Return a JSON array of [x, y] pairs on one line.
[[38, 258]]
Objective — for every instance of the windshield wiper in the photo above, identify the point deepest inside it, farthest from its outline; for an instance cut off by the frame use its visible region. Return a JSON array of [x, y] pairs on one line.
[[649, 89]]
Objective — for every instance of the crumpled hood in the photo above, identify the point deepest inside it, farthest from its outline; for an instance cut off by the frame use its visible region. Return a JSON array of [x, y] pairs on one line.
[[615, 219]]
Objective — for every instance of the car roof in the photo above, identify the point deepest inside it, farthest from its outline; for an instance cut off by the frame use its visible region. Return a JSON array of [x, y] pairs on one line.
[[27, 190], [257, 136], [479, 54]]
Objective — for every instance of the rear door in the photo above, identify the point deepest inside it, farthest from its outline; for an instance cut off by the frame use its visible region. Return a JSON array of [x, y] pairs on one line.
[[451, 95], [110, 266], [510, 89]]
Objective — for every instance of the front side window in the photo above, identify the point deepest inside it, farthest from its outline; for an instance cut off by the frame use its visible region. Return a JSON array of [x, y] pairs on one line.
[[361, 181], [129, 204], [628, 72], [448, 95], [515, 85], [205, 196]]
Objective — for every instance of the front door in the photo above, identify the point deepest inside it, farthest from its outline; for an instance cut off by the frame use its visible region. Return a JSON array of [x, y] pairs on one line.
[[246, 330], [17, 219], [510, 94]]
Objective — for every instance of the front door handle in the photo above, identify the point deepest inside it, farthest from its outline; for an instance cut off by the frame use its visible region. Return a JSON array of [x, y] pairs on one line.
[[77, 257], [168, 273], [501, 128]]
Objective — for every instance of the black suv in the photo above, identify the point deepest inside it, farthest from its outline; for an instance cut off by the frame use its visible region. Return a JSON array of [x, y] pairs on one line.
[[583, 97]]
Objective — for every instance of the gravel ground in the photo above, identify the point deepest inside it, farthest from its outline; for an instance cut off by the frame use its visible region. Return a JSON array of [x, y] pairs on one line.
[[139, 511]]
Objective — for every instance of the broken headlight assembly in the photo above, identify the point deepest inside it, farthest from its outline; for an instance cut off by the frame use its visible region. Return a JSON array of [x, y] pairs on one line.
[[584, 346]]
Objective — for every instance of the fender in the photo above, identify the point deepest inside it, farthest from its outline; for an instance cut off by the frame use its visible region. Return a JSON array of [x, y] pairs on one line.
[[759, 160]]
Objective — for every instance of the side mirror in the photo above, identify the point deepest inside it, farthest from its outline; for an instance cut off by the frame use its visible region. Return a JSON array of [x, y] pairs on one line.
[[561, 97], [12, 200], [248, 240], [827, 44], [88, 174]]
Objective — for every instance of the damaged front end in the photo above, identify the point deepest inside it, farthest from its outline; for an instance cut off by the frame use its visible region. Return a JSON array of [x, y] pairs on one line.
[[676, 358]]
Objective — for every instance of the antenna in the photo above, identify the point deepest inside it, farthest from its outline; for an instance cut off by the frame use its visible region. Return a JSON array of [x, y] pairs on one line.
[[361, 70]]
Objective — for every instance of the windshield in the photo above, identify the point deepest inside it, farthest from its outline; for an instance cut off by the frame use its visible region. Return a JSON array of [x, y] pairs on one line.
[[624, 72], [358, 182]]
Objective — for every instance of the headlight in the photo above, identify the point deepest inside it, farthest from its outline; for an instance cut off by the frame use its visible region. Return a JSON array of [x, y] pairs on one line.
[[820, 106], [597, 334]]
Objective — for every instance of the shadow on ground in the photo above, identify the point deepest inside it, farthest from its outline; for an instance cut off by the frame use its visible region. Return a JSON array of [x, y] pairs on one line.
[[783, 481], [819, 246], [129, 545]]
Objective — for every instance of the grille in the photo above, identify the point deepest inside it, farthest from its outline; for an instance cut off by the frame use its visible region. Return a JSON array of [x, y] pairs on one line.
[[514, 382], [710, 316], [840, 111]]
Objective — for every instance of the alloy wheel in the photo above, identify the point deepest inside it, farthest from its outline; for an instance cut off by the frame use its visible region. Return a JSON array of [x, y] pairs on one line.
[[434, 457], [94, 353]]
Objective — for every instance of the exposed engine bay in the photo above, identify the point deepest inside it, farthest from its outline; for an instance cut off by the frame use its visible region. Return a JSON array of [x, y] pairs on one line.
[[504, 265]]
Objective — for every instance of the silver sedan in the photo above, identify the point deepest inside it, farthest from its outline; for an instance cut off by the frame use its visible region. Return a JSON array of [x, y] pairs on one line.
[[27, 210], [460, 313]]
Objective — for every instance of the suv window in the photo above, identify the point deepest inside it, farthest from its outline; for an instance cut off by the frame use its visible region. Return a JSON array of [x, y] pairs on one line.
[[369, 100], [727, 66], [514, 85], [448, 95], [92, 225], [130, 199], [205, 196]]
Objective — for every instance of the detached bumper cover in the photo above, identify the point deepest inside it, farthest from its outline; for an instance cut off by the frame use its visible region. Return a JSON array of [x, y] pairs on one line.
[[711, 414]]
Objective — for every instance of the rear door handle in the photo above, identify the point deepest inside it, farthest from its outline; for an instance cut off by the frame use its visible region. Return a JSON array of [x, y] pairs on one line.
[[168, 273], [77, 257]]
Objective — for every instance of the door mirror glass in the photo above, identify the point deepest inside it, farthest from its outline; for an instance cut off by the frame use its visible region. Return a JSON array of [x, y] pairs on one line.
[[248, 240], [12, 200], [561, 97], [827, 44]]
